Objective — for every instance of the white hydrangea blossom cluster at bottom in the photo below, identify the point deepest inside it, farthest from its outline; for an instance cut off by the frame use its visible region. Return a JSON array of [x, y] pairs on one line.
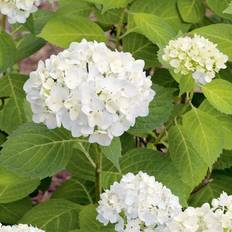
[[140, 204], [19, 228]]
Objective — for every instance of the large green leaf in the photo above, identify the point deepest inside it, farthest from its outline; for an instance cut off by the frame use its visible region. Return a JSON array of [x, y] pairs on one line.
[[190, 164], [220, 34], [218, 183], [55, 215], [61, 31], [89, 223], [219, 6], [113, 152], [166, 9], [153, 163], [219, 94], [159, 112], [225, 122], [12, 114], [11, 213], [7, 51], [75, 190], [154, 28], [141, 48], [204, 133], [33, 150], [13, 187], [192, 11]]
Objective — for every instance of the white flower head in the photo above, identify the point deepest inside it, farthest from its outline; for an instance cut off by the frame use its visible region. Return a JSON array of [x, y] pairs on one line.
[[17, 11], [196, 56], [19, 228], [90, 90], [138, 203]]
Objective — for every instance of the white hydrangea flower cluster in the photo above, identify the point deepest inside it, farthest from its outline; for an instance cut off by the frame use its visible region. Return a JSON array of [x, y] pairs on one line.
[[18, 11], [138, 204], [217, 218], [90, 90], [196, 56], [19, 228]]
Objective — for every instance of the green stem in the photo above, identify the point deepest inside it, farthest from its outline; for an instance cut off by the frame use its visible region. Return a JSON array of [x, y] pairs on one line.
[[4, 22], [98, 183], [119, 29]]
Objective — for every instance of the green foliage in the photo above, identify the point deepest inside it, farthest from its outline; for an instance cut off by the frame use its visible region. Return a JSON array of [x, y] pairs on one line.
[[61, 31], [42, 152], [185, 141], [55, 215]]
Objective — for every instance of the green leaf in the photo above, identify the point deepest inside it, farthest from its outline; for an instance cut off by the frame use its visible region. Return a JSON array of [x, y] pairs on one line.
[[159, 112], [162, 77], [219, 6], [228, 10], [190, 164], [220, 34], [215, 186], [186, 84], [89, 223], [204, 133], [80, 192], [152, 162], [219, 94], [13, 187], [111, 4], [141, 48], [192, 11], [55, 215], [166, 9], [33, 150], [223, 120], [11, 213], [110, 17], [225, 160], [113, 152], [28, 45], [12, 115], [154, 28], [2, 138], [61, 31], [80, 167], [7, 51]]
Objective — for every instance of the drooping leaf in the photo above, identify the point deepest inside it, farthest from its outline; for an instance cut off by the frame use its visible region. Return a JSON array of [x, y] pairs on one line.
[[33, 150], [13, 187], [190, 164], [159, 112], [204, 134], [7, 51], [154, 28], [61, 31], [219, 94], [12, 115], [219, 33], [55, 215], [11, 213], [192, 11], [141, 48], [186, 84]]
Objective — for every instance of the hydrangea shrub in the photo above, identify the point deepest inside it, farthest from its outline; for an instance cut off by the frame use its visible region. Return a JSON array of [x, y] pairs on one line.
[[134, 105]]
